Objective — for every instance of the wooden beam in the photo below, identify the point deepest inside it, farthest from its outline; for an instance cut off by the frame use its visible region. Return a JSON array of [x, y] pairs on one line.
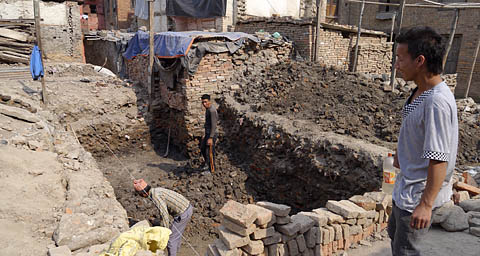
[[9, 33], [394, 57], [473, 68], [355, 57], [450, 40], [393, 27], [464, 186], [151, 53], [317, 30], [38, 33], [12, 58]]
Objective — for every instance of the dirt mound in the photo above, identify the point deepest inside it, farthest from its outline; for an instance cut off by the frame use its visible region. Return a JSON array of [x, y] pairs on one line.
[[345, 103]]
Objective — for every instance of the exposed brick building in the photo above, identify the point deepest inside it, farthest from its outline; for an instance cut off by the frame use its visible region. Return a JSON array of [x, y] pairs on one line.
[[463, 49]]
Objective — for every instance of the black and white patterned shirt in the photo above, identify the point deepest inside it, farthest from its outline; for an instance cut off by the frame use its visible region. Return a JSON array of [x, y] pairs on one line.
[[429, 132]]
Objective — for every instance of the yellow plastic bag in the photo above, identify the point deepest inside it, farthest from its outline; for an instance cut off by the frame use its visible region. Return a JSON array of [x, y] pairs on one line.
[[139, 238]]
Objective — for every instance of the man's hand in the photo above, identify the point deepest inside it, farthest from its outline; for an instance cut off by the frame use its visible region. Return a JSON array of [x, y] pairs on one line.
[[421, 216], [210, 141], [395, 161]]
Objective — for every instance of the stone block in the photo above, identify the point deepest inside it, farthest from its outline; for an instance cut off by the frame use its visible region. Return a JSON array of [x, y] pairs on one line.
[[381, 216], [320, 220], [237, 229], [318, 250], [232, 240], [212, 250], [366, 203], [361, 221], [463, 195], [254, 247], [223, 249], [341, 209], [470, 205], [302, 245], [264, 216], [309, 252], [59, 251], [289, 229], [457, 220], [283, 220], [475, 231], [311, 237], [277, 250], [377, 215], [355, 230], [293, 248], [325, 235], [275, 238], [380, 199], [362, 213], [371, 214], [346, 230], [474, 222], [332, 217], [279, 209], [440, 214], [263, 233], [238, 213], [338, 232], [286, 238], [351, 221], [305, 222], [331, 231]]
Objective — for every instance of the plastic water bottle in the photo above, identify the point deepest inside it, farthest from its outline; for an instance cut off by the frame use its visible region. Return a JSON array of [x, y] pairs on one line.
[[389, 174]]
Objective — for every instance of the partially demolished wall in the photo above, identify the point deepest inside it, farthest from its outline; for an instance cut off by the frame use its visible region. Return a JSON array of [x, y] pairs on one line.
[[336, 44]]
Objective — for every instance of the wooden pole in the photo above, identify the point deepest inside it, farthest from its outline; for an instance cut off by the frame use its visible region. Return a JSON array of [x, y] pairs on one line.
[[450, 40], [355, 57], [473, 68], [151, 53], [393, 27], [317, 31], [38, 33], [394, 57]]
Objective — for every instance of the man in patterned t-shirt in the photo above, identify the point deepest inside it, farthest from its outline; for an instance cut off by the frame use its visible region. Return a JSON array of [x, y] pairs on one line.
[[168, 202], [427, 145]]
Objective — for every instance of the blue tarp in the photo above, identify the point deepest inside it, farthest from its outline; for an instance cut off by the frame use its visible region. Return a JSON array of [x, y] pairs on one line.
[[175, 44], [36, 67]]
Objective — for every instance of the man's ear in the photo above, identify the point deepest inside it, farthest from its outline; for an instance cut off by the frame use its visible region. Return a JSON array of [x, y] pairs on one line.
[[420, 60]]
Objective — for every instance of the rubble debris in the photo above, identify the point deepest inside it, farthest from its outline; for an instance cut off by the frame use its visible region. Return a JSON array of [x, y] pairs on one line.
[[302, 235]]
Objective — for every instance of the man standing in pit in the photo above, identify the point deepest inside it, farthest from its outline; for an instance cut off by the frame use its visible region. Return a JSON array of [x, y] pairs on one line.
[[427, 145], [207, 145], [168, 201]]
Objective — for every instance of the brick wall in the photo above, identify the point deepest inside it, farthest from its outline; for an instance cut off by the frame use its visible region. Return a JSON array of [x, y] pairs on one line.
[[440, 20], [125, 13], [182, 107], [335, 48]]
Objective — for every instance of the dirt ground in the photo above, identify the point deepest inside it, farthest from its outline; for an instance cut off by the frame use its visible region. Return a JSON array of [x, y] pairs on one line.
[[351, 104]]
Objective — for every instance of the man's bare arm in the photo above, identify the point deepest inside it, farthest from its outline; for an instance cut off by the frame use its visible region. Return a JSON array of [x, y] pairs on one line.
[[437, 170]]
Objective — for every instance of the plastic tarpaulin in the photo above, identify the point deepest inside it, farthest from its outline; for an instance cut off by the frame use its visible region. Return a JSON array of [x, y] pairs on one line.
[[139, 238], [175, 44], [196, 8]]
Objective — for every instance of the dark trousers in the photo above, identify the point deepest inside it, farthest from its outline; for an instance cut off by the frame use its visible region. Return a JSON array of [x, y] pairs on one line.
[[405, 239], [205, 149]]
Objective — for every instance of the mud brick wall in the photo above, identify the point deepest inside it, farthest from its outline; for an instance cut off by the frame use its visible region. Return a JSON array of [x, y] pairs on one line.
[[295, 164], [374, 58], [180, 109], [267, 228], [335, 48]]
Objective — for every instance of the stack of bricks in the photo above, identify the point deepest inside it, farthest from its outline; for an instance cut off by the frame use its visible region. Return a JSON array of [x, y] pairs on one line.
[[266, 228], [374, 57]]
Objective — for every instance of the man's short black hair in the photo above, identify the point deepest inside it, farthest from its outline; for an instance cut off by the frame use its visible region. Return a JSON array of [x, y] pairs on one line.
[[145, 190], [205, 97], [427, 42]]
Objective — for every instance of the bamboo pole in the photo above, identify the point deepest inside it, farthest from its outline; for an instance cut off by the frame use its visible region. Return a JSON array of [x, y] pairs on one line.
[[151, 52], [393, 27], [450, 40], [38, 33], [317, 30], [359, 32], [394, 57], [473, 68]]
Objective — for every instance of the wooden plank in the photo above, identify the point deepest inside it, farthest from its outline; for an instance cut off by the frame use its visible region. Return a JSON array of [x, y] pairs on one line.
[[15, 49], [8, 33], [14, 59], [17, 54], [464, 186]]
